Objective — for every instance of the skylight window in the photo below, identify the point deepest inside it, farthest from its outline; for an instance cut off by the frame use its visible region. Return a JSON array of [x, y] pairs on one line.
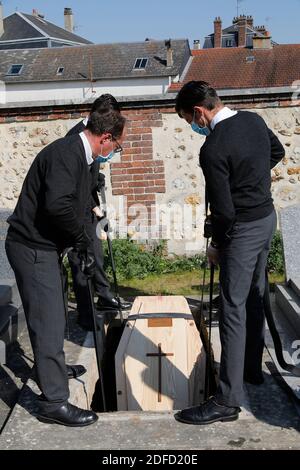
[[250, 59], [140, 63], [15, 69], [60, 70]]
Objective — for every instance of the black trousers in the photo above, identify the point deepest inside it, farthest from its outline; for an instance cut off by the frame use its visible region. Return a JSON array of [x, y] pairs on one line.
[[39, 282], [100, 283], [242, 321]]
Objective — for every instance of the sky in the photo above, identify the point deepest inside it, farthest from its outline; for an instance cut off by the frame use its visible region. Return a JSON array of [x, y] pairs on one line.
[[103, 21]]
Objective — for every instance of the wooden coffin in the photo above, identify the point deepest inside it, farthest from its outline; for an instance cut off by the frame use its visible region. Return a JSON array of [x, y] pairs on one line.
[[160, 361]]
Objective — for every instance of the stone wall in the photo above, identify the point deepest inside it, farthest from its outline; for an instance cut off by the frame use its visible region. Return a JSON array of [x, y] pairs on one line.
[[178, 147], [158, 169], [19, 144]]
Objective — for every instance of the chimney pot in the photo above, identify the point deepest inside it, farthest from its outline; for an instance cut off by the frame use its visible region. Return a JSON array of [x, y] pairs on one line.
[[250, 21], [196, 44]]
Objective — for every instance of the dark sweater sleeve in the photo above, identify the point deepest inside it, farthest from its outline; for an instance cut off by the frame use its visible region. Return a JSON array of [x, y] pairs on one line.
[[216, 172], [61, 179], [277, 150], [94, 183]]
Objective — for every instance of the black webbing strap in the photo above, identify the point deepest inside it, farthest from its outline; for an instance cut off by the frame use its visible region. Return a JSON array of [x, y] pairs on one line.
[[111, 255], [64, 286], [96, 341], [145, 316]]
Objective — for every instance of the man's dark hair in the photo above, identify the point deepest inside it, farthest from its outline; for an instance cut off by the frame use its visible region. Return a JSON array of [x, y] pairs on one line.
[[196, 93], [105, 102], [106, 121]]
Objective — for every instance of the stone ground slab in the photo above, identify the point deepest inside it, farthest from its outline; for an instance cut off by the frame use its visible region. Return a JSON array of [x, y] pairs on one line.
[[14, 373], [15, 383], [290, 227], [269, 420], [131, 430], [290, 345], [5, 269]]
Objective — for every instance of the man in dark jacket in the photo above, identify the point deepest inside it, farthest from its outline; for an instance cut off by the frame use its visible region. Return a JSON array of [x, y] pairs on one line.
[[48, 218], [106, 299], [236, 160]]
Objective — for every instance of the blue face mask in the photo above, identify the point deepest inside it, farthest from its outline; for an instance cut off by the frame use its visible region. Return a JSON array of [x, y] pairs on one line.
[[200, 130], [102, 159]]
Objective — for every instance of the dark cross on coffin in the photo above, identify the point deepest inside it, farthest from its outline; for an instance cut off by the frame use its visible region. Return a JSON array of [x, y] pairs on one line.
[[160, 354]]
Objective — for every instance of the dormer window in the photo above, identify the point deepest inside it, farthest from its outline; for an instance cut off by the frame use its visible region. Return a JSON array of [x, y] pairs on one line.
[[140, 63], [60, 70], [15, 69]]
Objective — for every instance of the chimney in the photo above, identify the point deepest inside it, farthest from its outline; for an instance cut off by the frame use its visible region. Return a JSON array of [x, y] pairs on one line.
[[260, 29], [218, 32], [69, 20], [1, 20], [35, 12], [170, 61], [197, 44], [250, 21], [242, 31], [262, 42]]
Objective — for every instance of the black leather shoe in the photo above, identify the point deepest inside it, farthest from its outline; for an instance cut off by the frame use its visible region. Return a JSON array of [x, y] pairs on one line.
[[75, 371], [208, 412], [68, 415], [112, 304]]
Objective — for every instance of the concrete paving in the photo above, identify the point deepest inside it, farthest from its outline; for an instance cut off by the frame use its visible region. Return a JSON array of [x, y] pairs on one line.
[[269, 420], [271, 424]]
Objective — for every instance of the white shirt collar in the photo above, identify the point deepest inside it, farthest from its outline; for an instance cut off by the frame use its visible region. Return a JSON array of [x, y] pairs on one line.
[[224, 113], [87, 148], [85, 121]]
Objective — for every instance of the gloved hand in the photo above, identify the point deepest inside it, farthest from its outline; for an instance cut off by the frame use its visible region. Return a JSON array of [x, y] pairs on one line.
[[104, 224], [101, 182], [213, 254], [87, 264], [82, 242]]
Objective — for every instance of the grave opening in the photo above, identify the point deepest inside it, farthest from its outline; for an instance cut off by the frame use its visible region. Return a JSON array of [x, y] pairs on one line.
[[157, 370]]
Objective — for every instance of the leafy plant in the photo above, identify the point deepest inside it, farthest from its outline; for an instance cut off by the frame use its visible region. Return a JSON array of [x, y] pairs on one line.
[[133, 260], [276, 257]]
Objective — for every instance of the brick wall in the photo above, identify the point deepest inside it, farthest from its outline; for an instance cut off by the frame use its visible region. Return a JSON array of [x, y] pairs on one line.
[[138, 176]]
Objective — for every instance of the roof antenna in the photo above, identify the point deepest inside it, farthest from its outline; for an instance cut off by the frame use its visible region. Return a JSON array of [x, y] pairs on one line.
[[238, 2]]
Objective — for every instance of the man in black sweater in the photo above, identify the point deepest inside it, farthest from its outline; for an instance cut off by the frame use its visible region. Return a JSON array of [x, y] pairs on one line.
[[48, 218], [106, 299], [236, 160]]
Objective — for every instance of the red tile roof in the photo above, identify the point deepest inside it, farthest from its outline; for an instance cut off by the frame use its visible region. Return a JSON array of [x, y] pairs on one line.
[[227, 68]]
